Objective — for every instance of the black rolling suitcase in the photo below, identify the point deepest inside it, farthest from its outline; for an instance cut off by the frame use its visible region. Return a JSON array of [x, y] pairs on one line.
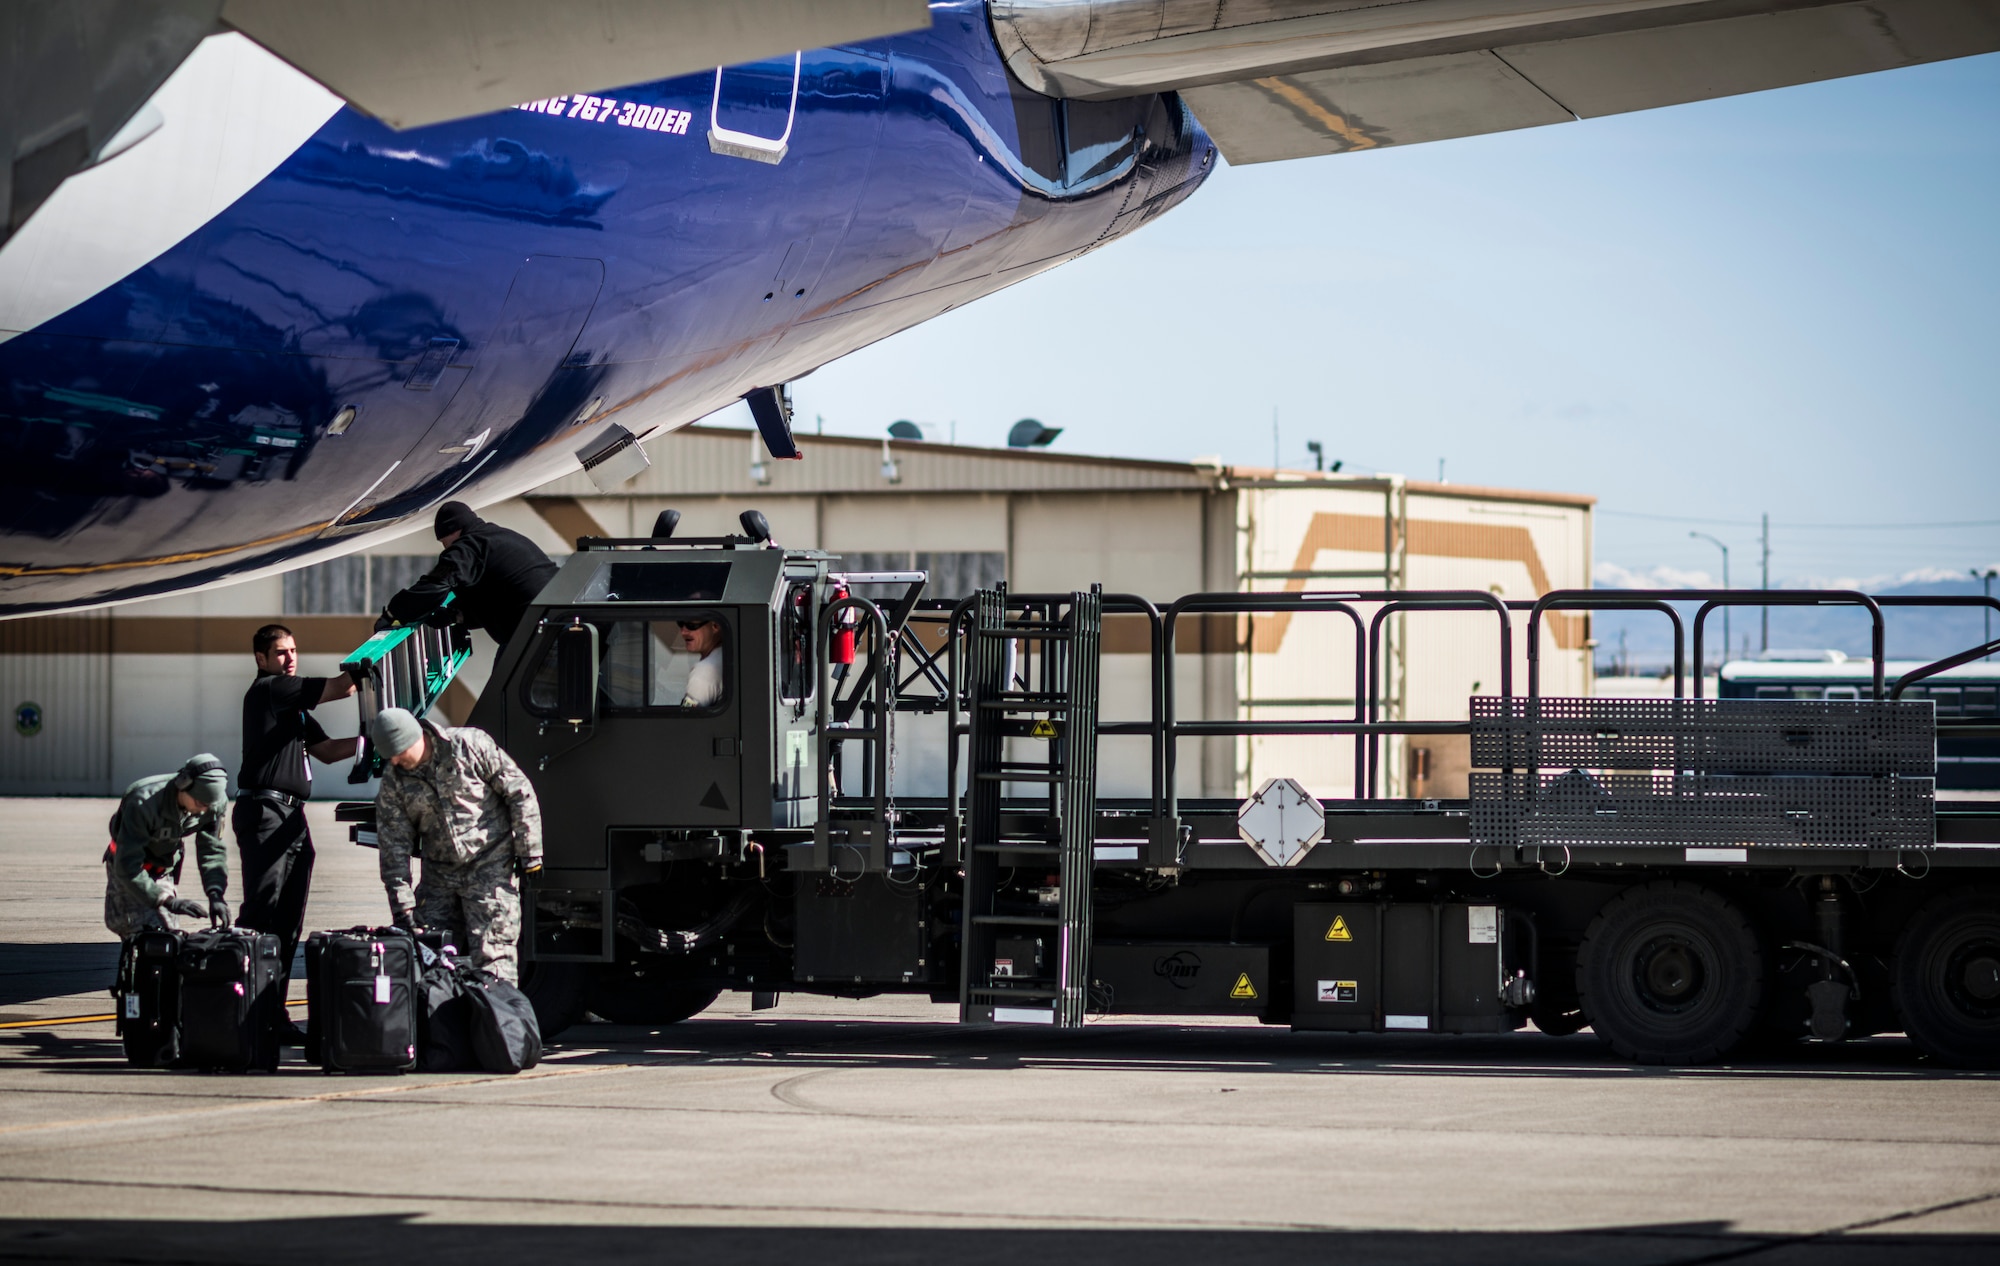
[[361, 1000], [230, 1004], [148, 998]]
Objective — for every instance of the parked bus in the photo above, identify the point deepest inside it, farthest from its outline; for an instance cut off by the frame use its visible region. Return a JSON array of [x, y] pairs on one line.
[[1970, 692]]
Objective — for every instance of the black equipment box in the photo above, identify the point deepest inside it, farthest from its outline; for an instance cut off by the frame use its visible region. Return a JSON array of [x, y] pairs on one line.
[[869, 930], [1420, 968], [1183, 978]]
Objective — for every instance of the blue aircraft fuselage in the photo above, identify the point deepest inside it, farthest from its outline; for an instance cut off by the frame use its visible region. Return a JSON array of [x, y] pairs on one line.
[[491, 295]]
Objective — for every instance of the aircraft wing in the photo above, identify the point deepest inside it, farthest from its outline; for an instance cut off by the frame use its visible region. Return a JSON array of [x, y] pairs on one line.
[[1273, 79], [74, 74]]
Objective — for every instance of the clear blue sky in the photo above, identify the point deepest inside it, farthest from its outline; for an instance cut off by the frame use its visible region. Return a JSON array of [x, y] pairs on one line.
[[1782, 302]]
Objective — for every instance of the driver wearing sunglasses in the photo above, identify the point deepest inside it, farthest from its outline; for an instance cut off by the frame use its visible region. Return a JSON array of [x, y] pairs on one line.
[[704, 683]]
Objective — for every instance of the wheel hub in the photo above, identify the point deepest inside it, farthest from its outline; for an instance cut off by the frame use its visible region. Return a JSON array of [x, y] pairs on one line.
[[1669, 974], [1980, 977], [1971, 978]]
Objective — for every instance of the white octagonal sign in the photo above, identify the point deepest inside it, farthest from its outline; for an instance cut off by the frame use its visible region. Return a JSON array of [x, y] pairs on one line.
[[1281, 822]]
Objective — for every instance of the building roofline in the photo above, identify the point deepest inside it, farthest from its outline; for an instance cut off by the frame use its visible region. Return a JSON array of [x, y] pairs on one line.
[[1479, 492], [974, 450], [1198, 473]]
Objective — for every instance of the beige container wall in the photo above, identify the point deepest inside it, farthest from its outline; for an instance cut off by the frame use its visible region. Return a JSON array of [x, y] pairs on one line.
[[1518, 551], [1436, 537], [1302, 667]]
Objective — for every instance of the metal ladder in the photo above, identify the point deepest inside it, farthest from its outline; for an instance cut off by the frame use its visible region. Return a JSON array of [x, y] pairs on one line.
[[1048, 706], [409, 666]]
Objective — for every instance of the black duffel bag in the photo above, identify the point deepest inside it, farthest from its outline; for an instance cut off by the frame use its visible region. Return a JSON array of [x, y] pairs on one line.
[[506, 1037], [444, 1040]]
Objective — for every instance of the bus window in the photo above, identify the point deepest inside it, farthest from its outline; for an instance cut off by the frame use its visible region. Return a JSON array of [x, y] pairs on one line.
[[1979, 700], [1773, 692], [1843, 692], [1947, 698]]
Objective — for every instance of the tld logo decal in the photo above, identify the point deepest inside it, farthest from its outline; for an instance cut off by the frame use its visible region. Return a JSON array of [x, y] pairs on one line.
[[1180, 968]]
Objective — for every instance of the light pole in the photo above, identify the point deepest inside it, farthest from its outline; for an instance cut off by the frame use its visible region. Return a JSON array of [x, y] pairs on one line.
[[1985, 579], [1725, 584]]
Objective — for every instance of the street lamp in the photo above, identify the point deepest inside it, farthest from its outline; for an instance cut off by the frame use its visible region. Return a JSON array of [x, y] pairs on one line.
[[1985, 578], [1725, 584]]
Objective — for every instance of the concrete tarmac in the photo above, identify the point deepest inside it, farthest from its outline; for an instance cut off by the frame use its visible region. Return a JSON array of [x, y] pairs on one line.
[[877, 1131]]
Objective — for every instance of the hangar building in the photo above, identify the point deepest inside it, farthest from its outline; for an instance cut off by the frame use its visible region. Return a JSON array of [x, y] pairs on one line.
[[100, 698]]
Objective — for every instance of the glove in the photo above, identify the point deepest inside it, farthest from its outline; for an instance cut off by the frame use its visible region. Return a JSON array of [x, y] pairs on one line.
[[406, 920], [526, 866], [384, 622], [218, 910], [186, 905], [442, 618]]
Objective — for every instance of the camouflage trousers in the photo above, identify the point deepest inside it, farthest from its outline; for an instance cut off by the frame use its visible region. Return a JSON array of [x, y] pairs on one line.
[[480, 905], [126, 912]]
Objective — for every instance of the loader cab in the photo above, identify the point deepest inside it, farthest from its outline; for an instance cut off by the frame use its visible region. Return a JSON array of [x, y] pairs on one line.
[[663, 702]]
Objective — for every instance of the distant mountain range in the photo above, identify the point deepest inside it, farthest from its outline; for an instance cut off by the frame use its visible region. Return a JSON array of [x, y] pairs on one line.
[[1925, 633]]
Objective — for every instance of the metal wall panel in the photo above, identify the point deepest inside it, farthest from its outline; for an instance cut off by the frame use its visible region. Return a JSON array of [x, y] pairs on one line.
[[62, 669]]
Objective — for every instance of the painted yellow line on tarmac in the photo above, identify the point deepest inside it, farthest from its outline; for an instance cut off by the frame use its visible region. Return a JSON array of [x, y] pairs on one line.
[[90, 1019]]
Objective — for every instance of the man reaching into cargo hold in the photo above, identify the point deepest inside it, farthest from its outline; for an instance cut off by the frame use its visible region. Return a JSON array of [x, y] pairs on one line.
[[489, 573], [453, 798], [142, 865]]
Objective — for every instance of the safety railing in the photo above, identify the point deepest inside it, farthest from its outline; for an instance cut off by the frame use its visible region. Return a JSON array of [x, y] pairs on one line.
[[1365, 725], [873, 696], [1363, 721], [1597, 600]]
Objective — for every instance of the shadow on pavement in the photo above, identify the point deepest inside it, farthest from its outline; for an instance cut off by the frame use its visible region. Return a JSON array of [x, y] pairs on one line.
[[1102, 1047], [30, 973], [481, 1242], [1246, 1050]]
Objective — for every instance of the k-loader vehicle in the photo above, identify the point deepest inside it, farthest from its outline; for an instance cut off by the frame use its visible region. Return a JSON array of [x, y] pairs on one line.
[[711, 726]]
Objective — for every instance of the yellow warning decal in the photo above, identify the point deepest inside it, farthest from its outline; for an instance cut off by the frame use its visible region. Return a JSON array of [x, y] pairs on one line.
[[1042, 728], [1243, 988], [1339, 932]]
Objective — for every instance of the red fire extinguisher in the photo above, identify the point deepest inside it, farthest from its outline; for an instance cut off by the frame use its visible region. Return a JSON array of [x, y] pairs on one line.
[[843, 634]]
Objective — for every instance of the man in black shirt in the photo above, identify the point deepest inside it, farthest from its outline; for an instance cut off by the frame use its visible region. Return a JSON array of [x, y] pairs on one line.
[[491, 573], [275, 781]]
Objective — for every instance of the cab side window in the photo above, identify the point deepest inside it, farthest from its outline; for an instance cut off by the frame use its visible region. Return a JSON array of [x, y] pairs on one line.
[[644, 666], [650, 665]]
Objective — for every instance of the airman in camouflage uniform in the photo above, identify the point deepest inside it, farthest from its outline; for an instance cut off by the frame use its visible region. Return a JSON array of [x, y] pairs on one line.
[[453, 798], [142, 864]]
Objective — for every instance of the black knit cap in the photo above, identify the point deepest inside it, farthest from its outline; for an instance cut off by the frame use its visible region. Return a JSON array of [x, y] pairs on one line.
[[455, 516]]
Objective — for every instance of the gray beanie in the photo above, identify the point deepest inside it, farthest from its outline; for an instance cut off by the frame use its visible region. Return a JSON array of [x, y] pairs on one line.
[[204, 778], [394, 731]]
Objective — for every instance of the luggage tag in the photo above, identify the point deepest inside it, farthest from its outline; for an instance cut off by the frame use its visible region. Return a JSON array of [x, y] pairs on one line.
[[381, 977], [131, 1006]]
